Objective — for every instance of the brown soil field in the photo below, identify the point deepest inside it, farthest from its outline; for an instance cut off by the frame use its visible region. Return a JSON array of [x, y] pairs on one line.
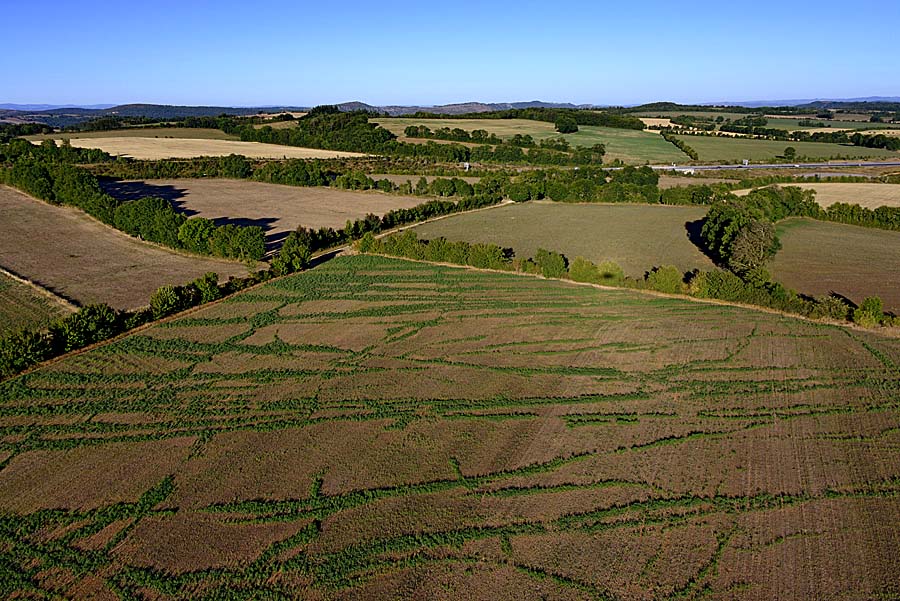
[[149, 148], [277, 209], [819, 257], [65, 251], [422, 431], [870, 196]]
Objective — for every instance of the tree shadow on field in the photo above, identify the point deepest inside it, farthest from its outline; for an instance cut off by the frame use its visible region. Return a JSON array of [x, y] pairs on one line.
[[693, 231], [127, 191]]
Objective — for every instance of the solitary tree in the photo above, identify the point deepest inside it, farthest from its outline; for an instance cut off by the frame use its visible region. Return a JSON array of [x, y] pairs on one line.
[[790, 152], [566, 124]]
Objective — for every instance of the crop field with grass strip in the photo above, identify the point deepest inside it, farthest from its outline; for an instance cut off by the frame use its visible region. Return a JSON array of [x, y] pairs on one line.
[[379, 428], [21, 306]]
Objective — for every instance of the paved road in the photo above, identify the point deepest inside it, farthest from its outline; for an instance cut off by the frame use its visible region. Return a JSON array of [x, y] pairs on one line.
[[778, 166]]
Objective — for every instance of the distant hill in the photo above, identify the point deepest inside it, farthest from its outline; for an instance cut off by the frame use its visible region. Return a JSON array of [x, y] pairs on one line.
[[47, 107], [65, 116]]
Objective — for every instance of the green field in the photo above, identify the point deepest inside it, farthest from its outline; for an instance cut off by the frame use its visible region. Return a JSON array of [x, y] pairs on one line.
[[637, 237], [736, 149], [23, 307], [187, 133], [382, 429], [818, 257], [629, 146]]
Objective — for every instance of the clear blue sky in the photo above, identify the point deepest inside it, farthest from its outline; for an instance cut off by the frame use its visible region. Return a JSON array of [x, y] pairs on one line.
[[385, 52]]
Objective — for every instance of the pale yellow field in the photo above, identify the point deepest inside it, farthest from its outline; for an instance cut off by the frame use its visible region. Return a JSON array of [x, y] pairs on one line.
[[181, 148], [650, 121], [870, 196]]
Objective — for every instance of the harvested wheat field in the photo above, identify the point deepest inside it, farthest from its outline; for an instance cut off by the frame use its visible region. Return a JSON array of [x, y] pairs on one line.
[[277, 209], [870, 196], [60, 249], [186, 148], [378, 428], [818, 257]]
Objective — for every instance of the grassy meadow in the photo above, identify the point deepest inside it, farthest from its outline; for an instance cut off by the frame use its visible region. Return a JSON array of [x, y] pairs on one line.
[[637, 237], [730, 149], [629, 146], [819, 257], [21, 307], [377, 428]]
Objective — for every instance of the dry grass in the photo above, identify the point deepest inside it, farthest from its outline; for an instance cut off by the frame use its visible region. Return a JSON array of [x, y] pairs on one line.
[[818, 257], [21, 306], [81, 259], [637, 237], [870, 196], [277, 209], [659, 122], [186, 133], [185, 148]]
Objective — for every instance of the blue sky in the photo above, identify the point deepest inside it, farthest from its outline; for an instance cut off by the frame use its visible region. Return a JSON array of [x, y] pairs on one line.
[[385, 52]]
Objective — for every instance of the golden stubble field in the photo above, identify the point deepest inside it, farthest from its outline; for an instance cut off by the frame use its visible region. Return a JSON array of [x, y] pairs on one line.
[[184, 148], [870, 196], [382, 429], [64, 250]]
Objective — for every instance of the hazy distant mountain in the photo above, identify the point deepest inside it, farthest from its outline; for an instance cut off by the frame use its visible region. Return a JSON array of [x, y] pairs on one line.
[[476, 107], [48, 107], [818, 102]]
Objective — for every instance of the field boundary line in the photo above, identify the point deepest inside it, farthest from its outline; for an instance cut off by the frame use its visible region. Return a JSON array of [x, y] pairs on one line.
[[887, 332], [45, 292]]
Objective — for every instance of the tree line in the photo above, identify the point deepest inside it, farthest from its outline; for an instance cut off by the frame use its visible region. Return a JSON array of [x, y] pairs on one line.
[[720, 284], [45, 173], [552, 115]]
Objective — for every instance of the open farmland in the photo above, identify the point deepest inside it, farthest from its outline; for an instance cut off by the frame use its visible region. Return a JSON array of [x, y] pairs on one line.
[[637, 237], [21, 306], [377, 428], [628, 145], [186, 148], [64, 250], [870, 196], [818, 257], [184, 133], [277, 209], [713, 148]]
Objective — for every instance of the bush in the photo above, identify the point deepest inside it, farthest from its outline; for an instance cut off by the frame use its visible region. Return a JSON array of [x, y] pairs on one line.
[[666, 279], [870, 312], [208, 287], [22, 350], [551, 264], [90, 324], [293, 256]]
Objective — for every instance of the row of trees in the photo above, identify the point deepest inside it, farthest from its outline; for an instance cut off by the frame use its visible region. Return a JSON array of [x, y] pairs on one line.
[[716, 284], [552, 115], [98, 322], [680, 145], [45, 174]]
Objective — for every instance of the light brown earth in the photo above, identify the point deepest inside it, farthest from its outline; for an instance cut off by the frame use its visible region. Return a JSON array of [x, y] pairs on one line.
[[819, 257], [870, 196], [277, 209], [68, 252], [185, 148], [427, 432]]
